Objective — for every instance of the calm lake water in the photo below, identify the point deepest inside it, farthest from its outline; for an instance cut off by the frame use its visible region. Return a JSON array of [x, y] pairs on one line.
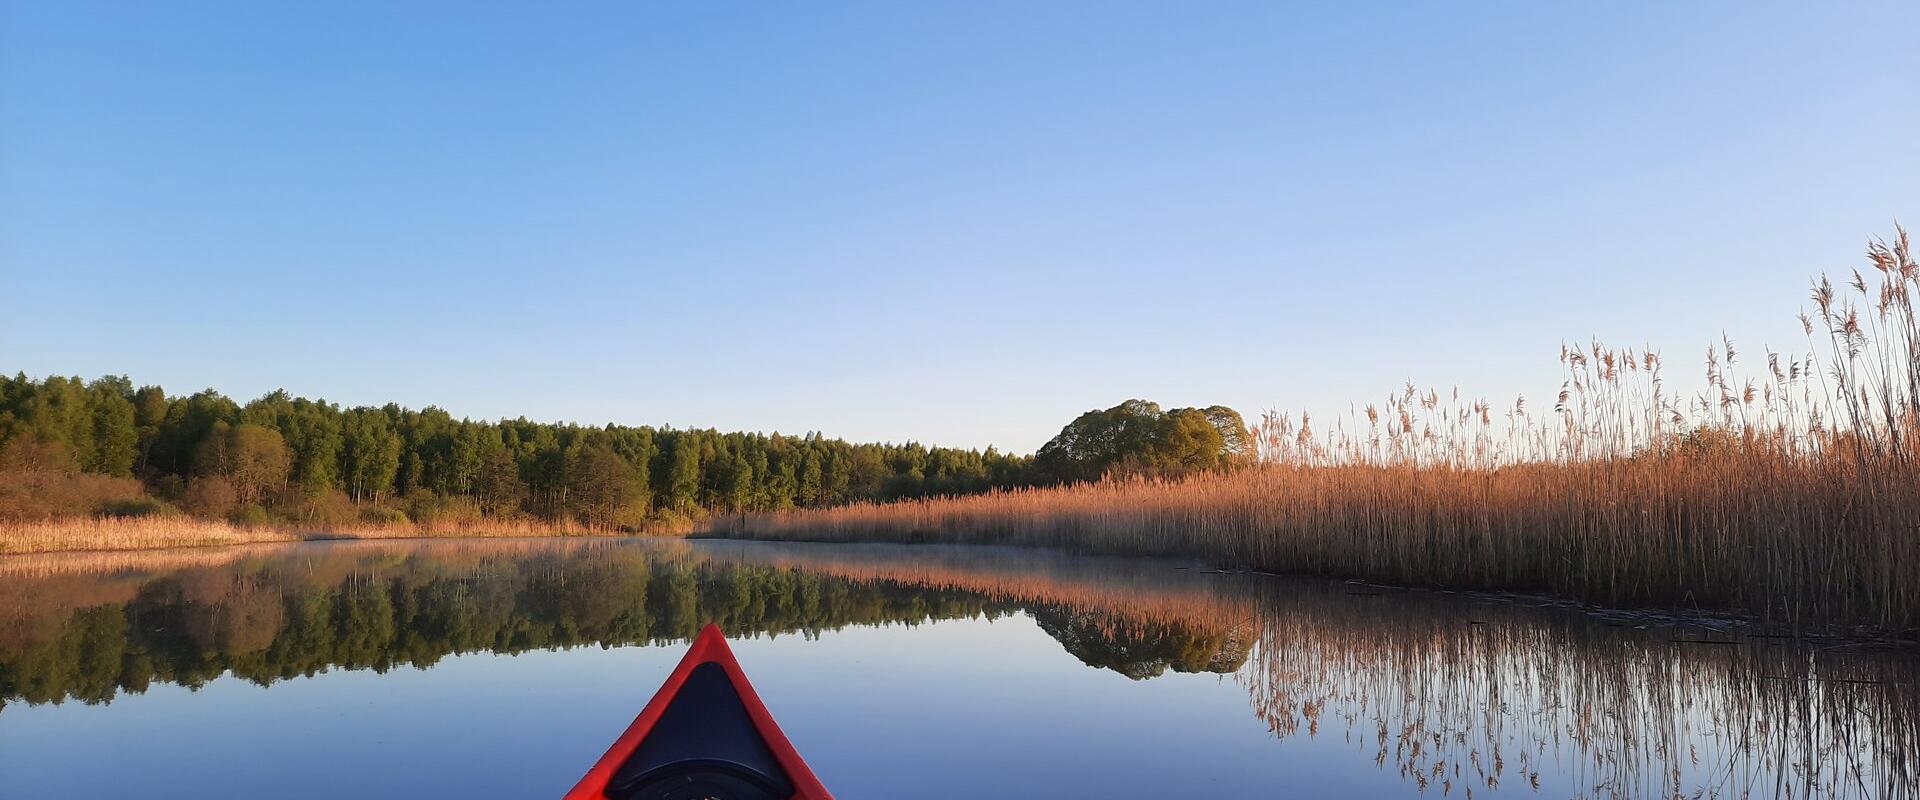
[[503, 668]]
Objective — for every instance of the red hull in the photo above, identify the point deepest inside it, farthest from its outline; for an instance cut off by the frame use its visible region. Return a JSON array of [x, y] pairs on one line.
[[710, 647]]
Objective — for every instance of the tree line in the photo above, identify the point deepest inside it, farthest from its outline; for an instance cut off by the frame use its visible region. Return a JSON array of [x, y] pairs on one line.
[[288, 457], [73, 447]]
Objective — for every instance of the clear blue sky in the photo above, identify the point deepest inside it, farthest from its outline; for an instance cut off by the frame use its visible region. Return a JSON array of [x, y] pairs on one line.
[[957, 223]]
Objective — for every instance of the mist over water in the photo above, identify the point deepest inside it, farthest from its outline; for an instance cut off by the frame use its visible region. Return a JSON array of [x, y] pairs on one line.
[[503, 668]]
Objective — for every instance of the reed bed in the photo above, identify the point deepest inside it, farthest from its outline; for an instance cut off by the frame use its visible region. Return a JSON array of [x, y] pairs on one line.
[[1790, 492], [361, 550], [120, 562], [137, 533], [160, 532]]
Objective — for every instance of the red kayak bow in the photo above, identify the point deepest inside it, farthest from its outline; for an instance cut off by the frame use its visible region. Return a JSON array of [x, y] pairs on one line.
[[704, 736]]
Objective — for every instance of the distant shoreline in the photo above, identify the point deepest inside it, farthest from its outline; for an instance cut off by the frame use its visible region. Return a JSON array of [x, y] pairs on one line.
[[96, 534]]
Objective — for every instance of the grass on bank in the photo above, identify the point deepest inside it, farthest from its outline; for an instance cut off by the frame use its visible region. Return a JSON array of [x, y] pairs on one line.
[[1792, 494], [46, 505], [168, 531]]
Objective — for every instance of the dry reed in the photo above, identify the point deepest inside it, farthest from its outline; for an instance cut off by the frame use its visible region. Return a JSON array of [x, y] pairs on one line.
[[136, 533], [1792, 495], [160, 532]]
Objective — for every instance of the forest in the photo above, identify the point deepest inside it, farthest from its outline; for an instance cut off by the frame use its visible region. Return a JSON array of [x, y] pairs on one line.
[[104, 448], [71, 447]]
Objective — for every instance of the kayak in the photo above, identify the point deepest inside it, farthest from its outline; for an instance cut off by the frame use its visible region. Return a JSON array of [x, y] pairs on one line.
[[704, 736]]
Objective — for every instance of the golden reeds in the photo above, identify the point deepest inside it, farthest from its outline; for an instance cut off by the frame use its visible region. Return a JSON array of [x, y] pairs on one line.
[[158, 532], [1793, 495], [128, 533]]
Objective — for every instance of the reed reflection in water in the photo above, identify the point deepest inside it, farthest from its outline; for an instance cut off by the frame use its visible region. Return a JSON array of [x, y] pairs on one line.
[[1455, 694]]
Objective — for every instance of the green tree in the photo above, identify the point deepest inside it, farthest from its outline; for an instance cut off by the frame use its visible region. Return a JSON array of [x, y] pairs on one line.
[[497, 484], [312, 431], [371, 456], [115, 436], [1234, 437], [683, 473], [1137, 436], [812, 488], [600, 484], [253, 458], [188, 422], [1186, 440], [149, 414], [1101, 440]]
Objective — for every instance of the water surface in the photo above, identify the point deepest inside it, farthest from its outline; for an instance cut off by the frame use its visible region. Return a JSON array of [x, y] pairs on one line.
[[503, 668]]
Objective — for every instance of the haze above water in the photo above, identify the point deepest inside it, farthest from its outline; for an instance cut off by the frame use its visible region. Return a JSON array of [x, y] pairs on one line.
[[504, 668]]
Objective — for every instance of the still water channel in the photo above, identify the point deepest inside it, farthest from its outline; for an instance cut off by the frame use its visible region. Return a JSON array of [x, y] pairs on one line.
[[502, 668]]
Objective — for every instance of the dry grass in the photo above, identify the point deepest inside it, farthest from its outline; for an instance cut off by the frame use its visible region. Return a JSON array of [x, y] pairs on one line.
[[160, 532], [139, 533], [1793, 494]]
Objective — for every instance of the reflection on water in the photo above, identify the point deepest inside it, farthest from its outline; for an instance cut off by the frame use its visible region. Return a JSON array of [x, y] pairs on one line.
[[70, 632], [1453, 694], [1464, 695]]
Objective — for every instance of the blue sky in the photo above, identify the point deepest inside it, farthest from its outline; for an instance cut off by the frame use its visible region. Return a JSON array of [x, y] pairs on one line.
[[960, 224]]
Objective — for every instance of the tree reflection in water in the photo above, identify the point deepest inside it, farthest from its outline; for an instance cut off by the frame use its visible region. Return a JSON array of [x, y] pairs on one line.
[[1453, 693]]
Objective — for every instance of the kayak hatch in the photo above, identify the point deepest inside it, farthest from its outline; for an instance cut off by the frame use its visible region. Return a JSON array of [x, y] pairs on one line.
[[704, 736]]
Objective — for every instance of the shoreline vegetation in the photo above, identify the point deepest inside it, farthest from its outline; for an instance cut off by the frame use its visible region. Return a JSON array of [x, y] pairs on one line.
[[1785, 488], [105, 465], [1789, 493], [123, 534]]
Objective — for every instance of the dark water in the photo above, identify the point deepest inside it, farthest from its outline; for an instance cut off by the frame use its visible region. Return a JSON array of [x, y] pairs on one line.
[[504, 668]]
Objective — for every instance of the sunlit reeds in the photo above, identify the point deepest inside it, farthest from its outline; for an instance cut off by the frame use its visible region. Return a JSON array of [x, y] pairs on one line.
[[1791, 493], [128, 533], [68, 534]]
